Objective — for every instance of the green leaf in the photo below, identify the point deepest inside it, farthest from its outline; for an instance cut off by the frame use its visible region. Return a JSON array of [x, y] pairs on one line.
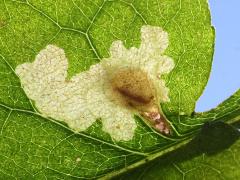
[[33, 146]]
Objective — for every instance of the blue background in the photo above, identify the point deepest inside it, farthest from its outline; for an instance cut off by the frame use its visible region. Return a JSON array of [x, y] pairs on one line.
[[225, 76]]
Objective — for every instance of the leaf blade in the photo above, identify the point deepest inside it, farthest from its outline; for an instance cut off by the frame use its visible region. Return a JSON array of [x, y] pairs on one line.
[[31, 25]]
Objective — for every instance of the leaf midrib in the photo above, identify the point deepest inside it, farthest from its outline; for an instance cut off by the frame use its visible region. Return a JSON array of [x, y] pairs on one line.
[[146, 156]]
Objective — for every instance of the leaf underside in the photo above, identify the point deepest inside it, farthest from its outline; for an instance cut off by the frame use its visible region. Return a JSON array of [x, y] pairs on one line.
[[32, 146]]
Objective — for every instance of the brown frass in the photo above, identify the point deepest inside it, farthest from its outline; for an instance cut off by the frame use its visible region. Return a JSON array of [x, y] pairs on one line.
[[134, 86]]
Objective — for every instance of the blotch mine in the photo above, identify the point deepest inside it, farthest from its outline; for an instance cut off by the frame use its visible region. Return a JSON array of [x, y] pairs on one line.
[[126, 83]]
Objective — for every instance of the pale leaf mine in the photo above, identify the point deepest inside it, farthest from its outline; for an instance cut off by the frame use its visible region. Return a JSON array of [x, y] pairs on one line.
[[127, 83]]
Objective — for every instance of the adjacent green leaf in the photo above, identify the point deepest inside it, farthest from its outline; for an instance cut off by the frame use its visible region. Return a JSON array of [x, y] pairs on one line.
[[202, 158], [32, 146]]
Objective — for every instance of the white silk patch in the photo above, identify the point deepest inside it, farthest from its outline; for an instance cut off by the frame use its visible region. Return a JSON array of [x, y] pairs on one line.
[[88, 96]]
